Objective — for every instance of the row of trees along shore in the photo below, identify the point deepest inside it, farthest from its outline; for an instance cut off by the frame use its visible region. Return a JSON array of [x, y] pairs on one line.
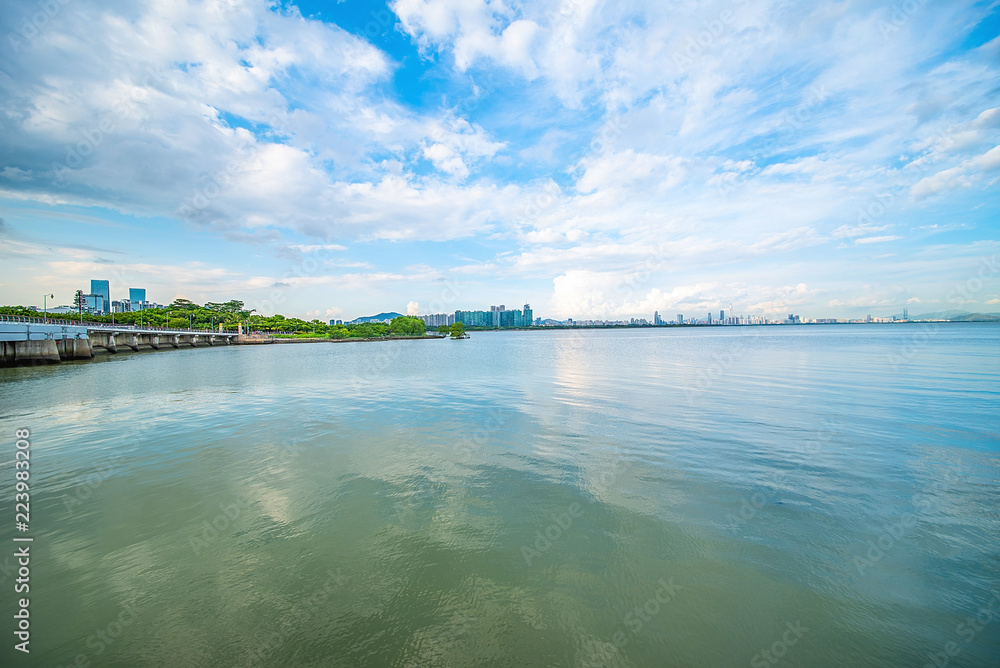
[[184, 314]]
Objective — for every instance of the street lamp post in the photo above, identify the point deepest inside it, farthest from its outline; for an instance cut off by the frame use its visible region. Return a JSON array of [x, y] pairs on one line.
[[45, 303]]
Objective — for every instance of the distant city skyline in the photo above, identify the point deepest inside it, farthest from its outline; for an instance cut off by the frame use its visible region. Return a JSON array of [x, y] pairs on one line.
[[98, 299], [595, 159]]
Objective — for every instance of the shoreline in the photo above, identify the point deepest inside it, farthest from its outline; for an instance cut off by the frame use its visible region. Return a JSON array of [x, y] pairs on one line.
[[358, 339]]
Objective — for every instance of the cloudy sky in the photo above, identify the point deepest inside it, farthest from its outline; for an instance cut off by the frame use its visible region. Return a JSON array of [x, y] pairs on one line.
[[596, 159]]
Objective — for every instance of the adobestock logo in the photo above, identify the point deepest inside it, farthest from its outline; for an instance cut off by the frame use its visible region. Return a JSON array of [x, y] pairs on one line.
[[768, 657]]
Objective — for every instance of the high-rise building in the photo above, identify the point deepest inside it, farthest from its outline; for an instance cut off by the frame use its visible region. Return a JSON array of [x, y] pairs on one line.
[[528, 315], [477, 318], [438, 319], [709, 319], [680, 318], [137, 297], [497, 316], [906, 312], [656, 318], [95, 304], [722, 317], [103, 290]]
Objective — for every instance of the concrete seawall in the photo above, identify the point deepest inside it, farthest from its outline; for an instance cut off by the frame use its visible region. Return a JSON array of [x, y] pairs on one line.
[[31, 341], [29, 352]]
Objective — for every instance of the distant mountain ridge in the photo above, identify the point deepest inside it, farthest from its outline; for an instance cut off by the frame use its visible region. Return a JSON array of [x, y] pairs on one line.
[[955, 315], [375, 318]]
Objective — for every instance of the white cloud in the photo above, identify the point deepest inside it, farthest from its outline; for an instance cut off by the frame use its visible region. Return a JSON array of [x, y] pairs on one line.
[[472, 29], [456, 143], [627, 170], [989, 161], [875, 240], [962, 176], [15, 174], [767, 140], [943, 181], [312, 248], [849, 231]]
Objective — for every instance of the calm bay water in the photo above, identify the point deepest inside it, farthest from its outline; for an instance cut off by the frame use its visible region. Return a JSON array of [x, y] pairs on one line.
[[669, 497]]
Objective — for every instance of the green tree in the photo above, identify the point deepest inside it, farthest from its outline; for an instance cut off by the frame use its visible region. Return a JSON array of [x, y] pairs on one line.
[[178, 323], [444, 329], [407, 325], [457, 330], [339, 332], [366, 330], [79, 301]]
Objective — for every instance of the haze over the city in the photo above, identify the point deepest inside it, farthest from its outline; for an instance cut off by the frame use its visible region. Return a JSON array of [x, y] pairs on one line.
[[598, 160]]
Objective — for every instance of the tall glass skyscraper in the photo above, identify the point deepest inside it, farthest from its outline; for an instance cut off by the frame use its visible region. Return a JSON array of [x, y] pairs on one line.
[[137, 296], [103, 289]]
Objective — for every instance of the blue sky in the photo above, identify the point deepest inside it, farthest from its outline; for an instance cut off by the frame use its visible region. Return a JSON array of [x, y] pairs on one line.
[[596, 159]]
